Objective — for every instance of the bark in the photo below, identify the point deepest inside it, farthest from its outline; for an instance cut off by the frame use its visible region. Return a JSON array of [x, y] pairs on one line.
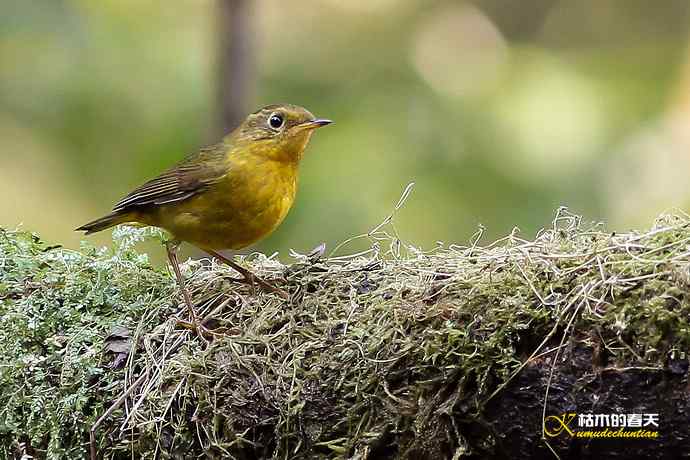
[[235, 62], [514, 417]]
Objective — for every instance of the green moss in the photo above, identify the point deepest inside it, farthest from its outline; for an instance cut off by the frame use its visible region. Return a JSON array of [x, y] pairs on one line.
[[374, 355], [57, 308]]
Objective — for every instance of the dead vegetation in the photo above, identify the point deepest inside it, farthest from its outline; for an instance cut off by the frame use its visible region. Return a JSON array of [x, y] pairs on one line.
[[395, 352]]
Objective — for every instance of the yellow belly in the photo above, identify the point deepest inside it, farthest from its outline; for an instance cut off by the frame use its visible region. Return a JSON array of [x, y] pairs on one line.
[[244, 207]]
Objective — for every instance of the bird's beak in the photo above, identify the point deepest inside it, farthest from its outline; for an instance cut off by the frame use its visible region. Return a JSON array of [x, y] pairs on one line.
[[313, 124]]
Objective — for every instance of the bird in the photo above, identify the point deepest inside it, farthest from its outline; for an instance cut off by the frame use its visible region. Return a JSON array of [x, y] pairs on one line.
[[225, 196]]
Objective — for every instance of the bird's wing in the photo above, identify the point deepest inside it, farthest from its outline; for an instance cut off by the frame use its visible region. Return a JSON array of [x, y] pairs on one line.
[[189, 177]]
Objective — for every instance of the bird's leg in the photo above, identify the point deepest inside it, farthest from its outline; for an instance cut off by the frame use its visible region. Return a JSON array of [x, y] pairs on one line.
[[249, 277], [171, 248]]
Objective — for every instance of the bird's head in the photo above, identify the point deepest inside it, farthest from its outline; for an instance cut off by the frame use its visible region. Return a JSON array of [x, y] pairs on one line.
[[280, 132]]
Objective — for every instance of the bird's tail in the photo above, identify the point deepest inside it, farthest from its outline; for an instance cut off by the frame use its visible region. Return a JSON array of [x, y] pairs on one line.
[[112, 219]]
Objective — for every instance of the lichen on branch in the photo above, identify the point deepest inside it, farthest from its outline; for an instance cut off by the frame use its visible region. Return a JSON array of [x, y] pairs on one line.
[[392, 353]]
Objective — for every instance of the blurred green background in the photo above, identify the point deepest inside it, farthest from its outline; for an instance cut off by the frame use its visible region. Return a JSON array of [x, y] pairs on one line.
[[499, 110]]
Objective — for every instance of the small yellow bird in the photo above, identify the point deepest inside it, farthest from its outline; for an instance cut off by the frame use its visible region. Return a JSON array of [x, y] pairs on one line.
[[226, 196]]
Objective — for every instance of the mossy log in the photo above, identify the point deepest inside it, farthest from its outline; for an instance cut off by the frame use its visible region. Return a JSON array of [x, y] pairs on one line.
[[458, 352]]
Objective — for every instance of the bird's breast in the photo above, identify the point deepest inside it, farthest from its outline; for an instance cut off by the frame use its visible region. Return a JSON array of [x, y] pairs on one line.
[[245, 206]]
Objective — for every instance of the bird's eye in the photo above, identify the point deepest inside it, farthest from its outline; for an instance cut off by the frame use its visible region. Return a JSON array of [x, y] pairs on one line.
[[275, 121]]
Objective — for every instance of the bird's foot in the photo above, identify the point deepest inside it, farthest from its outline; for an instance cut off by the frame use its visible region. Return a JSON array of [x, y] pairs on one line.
[[253, 280], [198, 329], [249, 277]]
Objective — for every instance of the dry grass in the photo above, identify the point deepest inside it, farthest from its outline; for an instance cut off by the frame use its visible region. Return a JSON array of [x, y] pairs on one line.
[[388, 353]]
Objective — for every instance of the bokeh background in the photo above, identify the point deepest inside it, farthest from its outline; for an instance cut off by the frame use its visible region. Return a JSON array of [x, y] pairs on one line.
[[500, 111]]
